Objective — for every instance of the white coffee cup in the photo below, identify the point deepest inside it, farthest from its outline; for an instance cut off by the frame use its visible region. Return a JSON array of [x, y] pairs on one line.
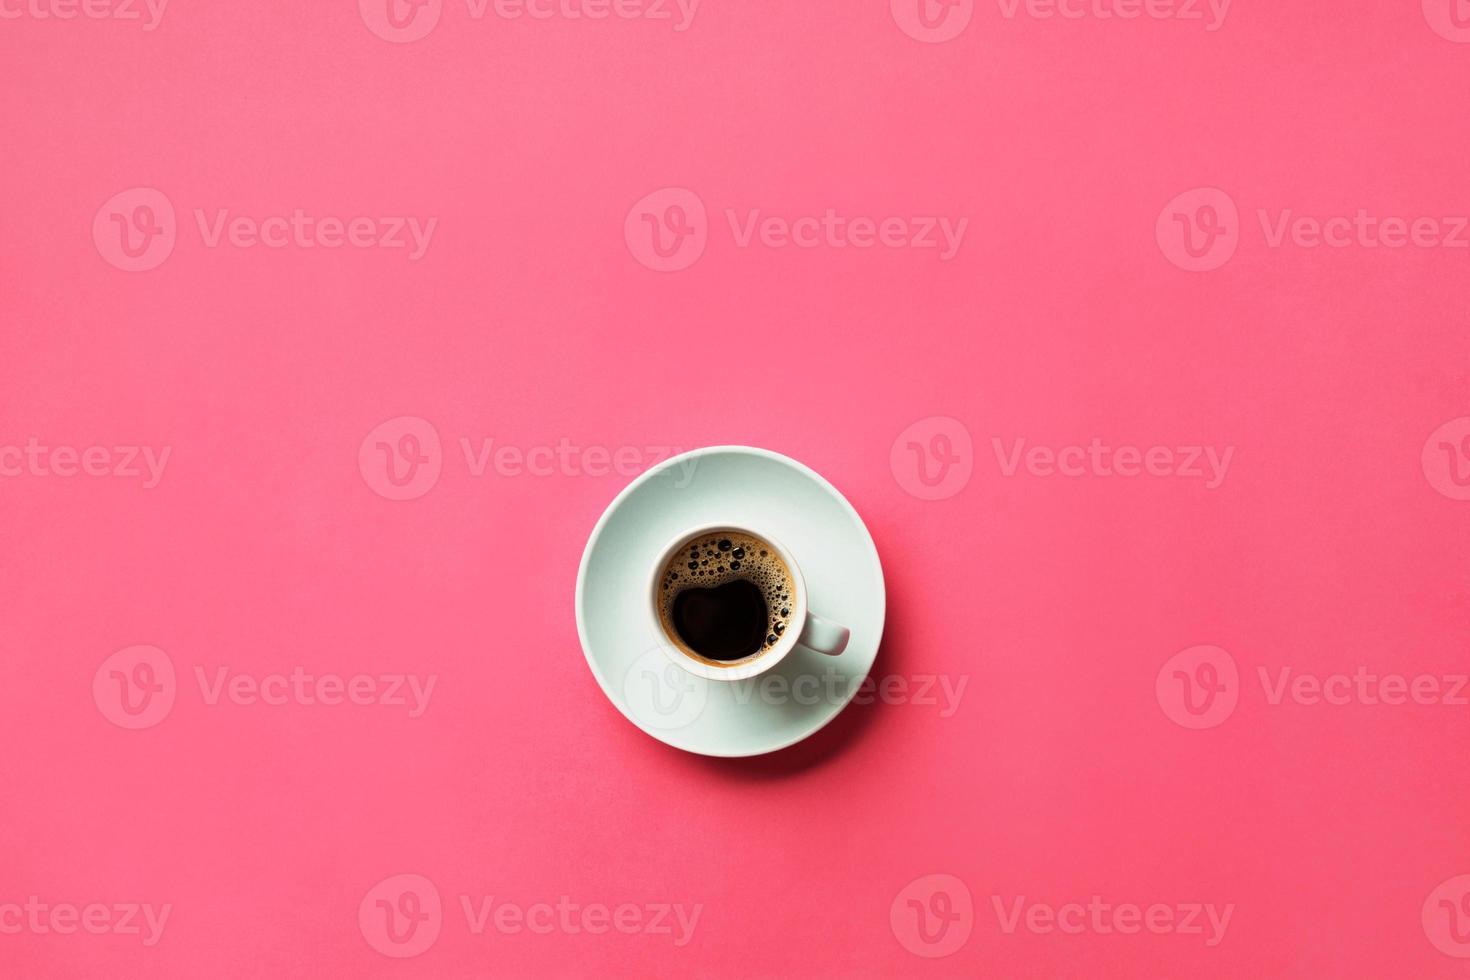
[[816, 634]]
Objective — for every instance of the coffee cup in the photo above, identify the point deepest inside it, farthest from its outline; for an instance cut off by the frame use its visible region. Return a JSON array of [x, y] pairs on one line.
[[728, 602]]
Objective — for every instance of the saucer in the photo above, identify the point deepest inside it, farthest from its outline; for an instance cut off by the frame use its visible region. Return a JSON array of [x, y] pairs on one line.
[[753, 488]]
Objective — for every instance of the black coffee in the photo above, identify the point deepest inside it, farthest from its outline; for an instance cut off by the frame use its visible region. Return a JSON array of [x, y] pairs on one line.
[[727, 622], [725, 596]]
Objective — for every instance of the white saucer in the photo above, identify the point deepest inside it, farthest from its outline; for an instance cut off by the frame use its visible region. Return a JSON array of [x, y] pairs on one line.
[[761, 490]]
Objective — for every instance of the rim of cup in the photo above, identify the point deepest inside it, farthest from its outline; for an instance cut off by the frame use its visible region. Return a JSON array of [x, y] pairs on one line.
[[757, 663]]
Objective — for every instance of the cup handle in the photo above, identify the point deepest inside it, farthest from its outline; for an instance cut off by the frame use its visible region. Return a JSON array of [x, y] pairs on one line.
[[823, 635]]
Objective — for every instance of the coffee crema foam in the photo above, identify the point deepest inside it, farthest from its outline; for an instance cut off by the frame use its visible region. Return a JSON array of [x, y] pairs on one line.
[[720, 557]]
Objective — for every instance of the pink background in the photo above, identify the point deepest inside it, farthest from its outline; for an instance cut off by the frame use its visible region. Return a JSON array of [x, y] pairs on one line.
[[529, 320]]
